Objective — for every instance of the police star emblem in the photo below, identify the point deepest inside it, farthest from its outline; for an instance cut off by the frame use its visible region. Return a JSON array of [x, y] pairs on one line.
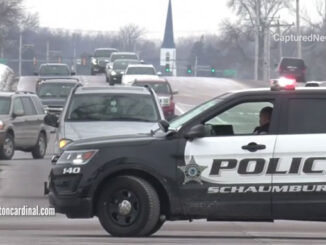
[[192, 172]]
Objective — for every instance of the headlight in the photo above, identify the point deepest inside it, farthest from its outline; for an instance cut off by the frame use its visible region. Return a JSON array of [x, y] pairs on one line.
[[2, 125], [76, 157], [113, 73], [64, 142], [94, 61]]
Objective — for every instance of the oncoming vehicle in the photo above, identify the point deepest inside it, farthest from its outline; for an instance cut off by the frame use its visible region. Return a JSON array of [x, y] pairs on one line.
[[293, 68], [165, 94], [21, 125], [114, 75], [100, 59], [140, 71], [209, 163], [54, 93], [106, 111]]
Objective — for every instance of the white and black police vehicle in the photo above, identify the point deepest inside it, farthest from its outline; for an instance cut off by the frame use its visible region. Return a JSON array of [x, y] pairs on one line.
[[209, 163]]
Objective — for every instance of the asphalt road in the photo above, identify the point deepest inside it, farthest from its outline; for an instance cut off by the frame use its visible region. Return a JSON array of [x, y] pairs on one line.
[[21, 183]]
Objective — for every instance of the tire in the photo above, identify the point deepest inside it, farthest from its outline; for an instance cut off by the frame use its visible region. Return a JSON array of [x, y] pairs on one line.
[[7, 150], [40, 149], [158, 226], [137, 195]]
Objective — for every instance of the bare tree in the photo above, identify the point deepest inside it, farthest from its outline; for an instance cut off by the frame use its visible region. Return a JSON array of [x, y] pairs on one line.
[[129, 35]]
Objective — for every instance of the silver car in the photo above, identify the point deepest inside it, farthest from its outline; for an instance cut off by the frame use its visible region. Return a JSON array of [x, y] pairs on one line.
[[106, 111]]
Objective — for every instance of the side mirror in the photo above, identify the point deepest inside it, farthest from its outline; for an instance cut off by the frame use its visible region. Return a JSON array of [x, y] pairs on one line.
[[73, 73], [159, 73], [51, 120], [175, 92], [197, 131], [18, 113], [164, 125]]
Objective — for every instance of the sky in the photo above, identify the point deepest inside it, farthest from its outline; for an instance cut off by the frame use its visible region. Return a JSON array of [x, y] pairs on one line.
[[191, 17]]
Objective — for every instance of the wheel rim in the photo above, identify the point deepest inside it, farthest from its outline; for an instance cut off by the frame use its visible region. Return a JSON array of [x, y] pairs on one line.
[[123, 207], [41, 145], [8, 147]]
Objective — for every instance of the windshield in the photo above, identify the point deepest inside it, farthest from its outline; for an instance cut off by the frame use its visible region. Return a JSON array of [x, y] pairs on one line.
[[140, 71], [180, 121], [123, 64], [115, 57], [103, 53], [4, 106], [159, 88], [111, 107], [55, 90], [54, 70]]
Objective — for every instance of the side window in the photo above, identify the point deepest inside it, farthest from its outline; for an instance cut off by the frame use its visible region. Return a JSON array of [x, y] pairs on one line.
[[38, 105], [242, 119], [28, 106], [18, 106], [306, 116]]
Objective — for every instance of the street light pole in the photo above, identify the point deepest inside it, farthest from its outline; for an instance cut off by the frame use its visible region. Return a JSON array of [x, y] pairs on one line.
[[299, 44], [257, 39], [20, 54]]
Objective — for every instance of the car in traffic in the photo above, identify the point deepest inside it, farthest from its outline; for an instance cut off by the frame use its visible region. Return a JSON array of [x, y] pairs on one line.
[[21, 125], [139, 71], [250, 155], [54, 93], [100, 59], [106, 111], [293, 68], [164, 92], [8, 80], [114, 75]]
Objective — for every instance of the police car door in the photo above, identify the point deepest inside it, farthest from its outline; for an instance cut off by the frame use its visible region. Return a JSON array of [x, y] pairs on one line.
[[225, 171], [299, 187]]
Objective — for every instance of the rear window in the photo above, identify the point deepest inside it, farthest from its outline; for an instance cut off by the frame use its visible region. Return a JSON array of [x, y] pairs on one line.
[[292, 62], [112, 107], [38, 105], [103, 53], [141, 71], [159, 88], [115, 57], [54, 70], [122, 65], [28, 106], [4, 105], [54, 90]]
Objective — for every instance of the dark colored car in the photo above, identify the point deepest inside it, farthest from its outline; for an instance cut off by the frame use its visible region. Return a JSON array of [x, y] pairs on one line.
[[165, 94], [114, 75], [100, 59], [21, 125], [293, 68], [54, 92], [206, 164]]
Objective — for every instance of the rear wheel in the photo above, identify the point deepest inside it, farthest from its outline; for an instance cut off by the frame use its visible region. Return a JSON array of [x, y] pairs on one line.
[[7, 150], [40, 149], [128, 206]]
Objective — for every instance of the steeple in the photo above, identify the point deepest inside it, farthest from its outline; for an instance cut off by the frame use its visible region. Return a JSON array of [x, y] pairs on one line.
[[168, 41]]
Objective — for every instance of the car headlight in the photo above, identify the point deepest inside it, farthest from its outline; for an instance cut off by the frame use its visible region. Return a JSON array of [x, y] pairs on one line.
[[64, 142], [94, 61], [113, 73], [81, 157], [2, 125]]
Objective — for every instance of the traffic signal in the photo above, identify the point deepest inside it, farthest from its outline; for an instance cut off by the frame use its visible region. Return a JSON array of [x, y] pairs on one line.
[[189, 70], [167, 68], [213, 71]]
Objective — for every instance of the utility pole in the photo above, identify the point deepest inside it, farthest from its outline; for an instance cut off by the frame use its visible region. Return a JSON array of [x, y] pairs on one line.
[[20, 54], [280, 41], [196, 65], [299, 44], [257, 39], [47, 52]]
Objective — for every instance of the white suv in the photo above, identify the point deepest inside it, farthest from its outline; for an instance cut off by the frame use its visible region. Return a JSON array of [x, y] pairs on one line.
[[138, 71]]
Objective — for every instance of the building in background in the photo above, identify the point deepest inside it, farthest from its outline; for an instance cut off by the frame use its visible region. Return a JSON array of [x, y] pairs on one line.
[[168, 49]]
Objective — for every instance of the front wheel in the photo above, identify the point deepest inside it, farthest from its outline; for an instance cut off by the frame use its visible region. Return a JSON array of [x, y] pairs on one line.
[[40, 149], [7, 150], [128, 206]]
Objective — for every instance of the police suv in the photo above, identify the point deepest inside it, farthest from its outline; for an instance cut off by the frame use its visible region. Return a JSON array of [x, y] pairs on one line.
[[209, 163]]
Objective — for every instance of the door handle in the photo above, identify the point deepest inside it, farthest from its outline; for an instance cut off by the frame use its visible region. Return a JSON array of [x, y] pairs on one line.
[[252, 147]]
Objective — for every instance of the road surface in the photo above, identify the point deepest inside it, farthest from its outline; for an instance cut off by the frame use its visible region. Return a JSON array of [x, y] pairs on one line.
[[21, 183]]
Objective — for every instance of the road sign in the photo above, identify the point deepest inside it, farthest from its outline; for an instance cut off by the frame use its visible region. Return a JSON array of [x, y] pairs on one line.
[[3, 61], [230, 73]]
